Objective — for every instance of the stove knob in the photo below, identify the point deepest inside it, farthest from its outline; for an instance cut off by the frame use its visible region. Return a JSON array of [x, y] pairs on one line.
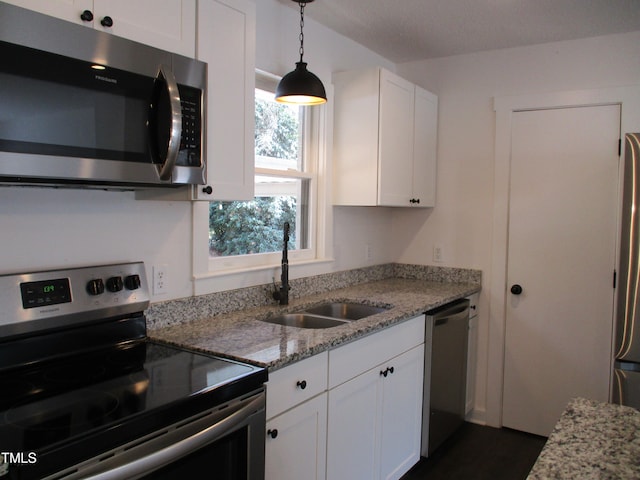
[[114, 284], [95, 286], [132, 282]]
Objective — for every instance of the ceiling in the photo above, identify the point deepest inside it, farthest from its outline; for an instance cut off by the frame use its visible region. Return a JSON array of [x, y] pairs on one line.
[[409, 30]]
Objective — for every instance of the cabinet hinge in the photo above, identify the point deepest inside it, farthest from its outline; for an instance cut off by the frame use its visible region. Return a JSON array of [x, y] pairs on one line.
[[619, 146], [615, 274]]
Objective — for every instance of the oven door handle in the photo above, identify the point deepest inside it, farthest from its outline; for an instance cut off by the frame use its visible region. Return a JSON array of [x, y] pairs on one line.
[[167, 455], [175, 130]]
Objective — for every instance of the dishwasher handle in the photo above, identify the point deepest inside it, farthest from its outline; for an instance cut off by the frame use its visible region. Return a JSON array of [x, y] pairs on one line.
[[459, 311]]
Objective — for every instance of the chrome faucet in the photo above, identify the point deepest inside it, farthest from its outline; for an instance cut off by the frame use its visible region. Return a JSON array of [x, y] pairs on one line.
[[282, 294]]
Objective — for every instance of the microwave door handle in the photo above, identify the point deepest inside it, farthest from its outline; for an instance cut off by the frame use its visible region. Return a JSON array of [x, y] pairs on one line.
[[165, 170]]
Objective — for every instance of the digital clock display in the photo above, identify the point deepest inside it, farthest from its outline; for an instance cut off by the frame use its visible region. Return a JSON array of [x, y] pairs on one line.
[[44, 293]]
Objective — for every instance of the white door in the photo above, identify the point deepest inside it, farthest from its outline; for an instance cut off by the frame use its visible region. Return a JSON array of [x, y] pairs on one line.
[[298, 449], [352, 428], [165, 24], [401, 416], [561, 251], [395, 154]]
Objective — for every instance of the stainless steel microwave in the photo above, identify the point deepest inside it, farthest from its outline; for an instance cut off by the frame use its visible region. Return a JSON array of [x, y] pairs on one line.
[[80, 107]]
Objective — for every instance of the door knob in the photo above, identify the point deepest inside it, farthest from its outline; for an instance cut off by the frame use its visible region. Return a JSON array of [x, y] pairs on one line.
[[516, 289]]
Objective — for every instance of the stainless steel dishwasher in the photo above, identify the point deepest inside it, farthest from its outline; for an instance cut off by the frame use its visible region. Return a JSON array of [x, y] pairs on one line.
[[445, 373]]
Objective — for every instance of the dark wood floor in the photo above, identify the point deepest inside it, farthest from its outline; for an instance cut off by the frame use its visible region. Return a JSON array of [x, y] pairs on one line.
[[477, 452]]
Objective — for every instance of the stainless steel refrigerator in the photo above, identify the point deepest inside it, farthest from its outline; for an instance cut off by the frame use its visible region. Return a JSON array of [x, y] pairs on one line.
[[626, 375]]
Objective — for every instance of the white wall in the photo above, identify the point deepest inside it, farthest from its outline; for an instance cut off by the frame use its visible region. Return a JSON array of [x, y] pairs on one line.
[[326, 52], [466, 85], [43, 228]]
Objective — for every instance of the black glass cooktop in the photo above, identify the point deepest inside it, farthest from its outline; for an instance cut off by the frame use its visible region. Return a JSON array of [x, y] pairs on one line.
[[104, 398]]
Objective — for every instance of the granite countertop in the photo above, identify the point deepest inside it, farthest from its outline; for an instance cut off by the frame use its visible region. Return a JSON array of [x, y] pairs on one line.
[[241, 336], [592, 440]]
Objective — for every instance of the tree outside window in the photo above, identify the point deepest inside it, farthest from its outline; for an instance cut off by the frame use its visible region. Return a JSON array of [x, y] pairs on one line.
[[281, 189]]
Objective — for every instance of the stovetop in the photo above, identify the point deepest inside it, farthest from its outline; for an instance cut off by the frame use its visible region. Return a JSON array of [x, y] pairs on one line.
[[78, 376], [101, 399]]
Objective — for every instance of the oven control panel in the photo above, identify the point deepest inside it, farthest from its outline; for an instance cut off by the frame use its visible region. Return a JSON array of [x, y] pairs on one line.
[[60, 298]]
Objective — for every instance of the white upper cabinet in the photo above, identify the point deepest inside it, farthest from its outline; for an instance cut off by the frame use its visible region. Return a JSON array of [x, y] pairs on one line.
[[425, 142], [226, 41], [165, 24], [385, 131]]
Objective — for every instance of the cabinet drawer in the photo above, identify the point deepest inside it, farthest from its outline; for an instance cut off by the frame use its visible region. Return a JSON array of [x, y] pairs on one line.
[[296, 383], [350, 360]]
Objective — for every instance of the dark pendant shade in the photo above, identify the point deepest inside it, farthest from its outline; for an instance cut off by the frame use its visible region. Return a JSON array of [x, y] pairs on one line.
[[301, 87]]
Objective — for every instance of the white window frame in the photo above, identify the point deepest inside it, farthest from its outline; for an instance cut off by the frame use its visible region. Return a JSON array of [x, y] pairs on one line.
[[221, 273]]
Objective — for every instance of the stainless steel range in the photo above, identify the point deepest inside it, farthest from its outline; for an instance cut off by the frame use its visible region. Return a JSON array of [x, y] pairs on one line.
[[85, 394]]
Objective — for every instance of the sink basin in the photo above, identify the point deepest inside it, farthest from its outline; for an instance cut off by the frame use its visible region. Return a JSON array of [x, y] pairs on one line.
[[345, 311], [304, 320], [326, 315]]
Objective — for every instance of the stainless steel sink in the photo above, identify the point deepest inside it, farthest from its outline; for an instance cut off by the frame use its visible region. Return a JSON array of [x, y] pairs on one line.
[[304, 320], [326, 315], [345, 311]]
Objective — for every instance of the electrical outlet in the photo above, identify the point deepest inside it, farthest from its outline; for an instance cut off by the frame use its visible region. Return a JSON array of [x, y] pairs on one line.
[[368, 254], [159, 279], [438, 256]]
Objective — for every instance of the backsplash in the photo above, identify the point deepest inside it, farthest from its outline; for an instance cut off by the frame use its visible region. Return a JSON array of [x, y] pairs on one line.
[[203, 306]]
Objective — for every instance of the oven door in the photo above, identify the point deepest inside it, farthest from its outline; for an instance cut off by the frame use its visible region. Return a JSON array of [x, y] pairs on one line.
[[228, 442]]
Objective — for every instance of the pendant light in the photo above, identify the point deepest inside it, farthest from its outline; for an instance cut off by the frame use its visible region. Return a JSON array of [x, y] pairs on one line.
[[301, 87]]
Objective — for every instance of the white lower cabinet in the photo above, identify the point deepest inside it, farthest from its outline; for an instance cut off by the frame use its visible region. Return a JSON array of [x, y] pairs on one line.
[[296, 442], [295, 447], [375, 421], [401, 414], [374, 418], [351, 443], [351, 413]]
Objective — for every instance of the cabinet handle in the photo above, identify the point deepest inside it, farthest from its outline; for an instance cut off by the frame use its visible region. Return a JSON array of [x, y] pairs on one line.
[[86, 16], [302, 384], [386, 372], [414, 200], [107, 22], [272, 433], [208, 190]]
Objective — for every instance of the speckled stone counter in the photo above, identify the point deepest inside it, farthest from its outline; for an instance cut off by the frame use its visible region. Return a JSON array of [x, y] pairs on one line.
[[242, 336], [592, 441]]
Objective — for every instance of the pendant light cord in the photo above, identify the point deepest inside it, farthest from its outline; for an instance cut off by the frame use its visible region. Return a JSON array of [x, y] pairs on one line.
[[302, 5]]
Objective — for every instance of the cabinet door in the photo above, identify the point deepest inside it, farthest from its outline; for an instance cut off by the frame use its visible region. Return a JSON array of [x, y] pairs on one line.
[[472, 352], [395, 149], [425, 148], [401, 416], [298, 451], [226, 41], [165, 24], [352, 428], [69, 10]]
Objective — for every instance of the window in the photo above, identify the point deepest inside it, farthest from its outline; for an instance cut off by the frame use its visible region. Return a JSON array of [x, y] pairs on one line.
[[250, 233]]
